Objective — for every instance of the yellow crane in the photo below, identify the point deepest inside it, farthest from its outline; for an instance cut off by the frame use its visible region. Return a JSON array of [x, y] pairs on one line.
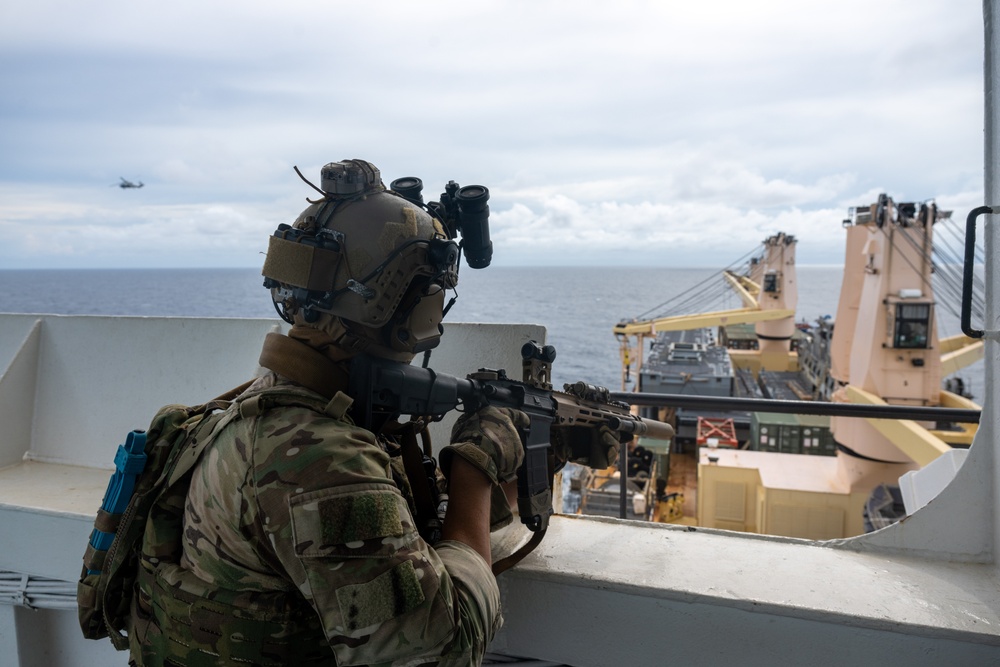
[[769, 302]]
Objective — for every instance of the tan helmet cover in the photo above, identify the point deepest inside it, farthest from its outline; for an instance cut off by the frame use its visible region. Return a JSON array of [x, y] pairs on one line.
[[356, 256]]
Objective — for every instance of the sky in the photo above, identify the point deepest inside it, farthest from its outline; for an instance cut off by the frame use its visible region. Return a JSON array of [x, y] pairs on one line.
[[644, 133]]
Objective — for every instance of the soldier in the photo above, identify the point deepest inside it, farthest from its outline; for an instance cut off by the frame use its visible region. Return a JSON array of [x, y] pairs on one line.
[[299, 544]]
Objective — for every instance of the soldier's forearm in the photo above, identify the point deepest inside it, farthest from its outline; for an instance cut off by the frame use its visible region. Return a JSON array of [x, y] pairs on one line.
[[468, 516]]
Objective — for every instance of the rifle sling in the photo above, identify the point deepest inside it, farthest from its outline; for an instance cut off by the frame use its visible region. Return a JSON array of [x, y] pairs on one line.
[[510, 561], [219, 401], [424, 497], [420, 485]]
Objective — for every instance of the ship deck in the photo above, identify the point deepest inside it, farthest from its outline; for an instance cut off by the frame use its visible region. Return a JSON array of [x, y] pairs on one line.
[[687, 362]]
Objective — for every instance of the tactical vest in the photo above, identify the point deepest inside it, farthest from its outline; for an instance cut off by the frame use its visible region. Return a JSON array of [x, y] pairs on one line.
[[137, 594]]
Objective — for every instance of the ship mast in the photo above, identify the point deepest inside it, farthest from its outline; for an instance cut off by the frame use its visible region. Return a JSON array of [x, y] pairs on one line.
[[892, 354]]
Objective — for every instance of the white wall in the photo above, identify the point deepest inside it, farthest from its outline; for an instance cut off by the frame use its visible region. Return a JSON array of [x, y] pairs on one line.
[[71, 387]]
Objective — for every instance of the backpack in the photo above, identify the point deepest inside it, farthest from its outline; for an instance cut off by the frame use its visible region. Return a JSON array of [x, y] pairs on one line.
[[147, 466], [141, 515]]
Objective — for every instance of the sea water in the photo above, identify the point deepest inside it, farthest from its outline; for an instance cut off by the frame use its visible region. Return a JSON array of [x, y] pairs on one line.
[[579, 306]]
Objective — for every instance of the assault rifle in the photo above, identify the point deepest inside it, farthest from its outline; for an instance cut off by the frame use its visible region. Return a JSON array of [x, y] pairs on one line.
[[387, 389]]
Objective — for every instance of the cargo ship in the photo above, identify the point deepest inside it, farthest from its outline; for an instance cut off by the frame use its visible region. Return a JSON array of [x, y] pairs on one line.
[[884, 349]]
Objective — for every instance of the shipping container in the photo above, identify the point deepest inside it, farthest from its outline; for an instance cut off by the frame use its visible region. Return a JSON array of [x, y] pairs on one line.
[[791, 434]]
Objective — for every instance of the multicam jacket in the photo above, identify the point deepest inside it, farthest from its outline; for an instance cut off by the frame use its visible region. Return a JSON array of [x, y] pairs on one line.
[[292, 514]]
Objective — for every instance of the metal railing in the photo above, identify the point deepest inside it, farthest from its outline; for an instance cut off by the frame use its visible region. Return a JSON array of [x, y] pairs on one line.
[[726, 404]]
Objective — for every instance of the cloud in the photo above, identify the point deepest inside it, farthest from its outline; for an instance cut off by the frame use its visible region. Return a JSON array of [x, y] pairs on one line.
[[40, 233], [567, 232], [630, 131]]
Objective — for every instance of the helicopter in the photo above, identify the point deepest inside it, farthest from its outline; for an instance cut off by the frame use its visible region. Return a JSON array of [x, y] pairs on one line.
[[126, 184]]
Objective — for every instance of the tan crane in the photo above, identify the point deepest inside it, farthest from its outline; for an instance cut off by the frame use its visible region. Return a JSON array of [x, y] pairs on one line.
[[769, 294], [893, 355]]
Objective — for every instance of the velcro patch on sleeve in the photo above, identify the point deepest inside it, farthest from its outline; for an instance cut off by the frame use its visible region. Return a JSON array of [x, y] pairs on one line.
[[357, 521], [387, 596], [358, 518]]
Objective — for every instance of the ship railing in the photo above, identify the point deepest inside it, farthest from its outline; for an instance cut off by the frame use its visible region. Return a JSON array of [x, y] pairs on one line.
[[727, 404]]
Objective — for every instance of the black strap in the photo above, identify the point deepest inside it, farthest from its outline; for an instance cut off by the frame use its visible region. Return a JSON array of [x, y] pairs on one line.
[[510, 561], [424, 494], [850, 452]]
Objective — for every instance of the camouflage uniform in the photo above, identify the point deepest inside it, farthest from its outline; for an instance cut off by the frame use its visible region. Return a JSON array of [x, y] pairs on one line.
[[303, 503]]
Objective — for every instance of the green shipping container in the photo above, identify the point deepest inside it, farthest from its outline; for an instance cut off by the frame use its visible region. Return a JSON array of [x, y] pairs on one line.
[[791, 434]]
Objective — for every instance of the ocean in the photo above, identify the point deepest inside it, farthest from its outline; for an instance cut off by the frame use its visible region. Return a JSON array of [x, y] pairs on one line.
[[579, 306]]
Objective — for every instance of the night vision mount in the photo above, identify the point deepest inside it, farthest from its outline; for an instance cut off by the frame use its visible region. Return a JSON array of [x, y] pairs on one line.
[[462, 210]]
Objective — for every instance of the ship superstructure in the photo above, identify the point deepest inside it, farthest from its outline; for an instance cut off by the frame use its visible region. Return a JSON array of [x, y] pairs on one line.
[[883, 350]]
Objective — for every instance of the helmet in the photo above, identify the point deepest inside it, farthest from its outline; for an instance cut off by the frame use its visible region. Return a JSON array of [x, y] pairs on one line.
[[363, 264]]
